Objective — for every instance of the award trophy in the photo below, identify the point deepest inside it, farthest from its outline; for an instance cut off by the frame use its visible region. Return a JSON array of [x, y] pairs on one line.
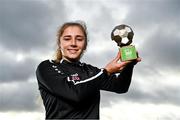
[[123, 35]]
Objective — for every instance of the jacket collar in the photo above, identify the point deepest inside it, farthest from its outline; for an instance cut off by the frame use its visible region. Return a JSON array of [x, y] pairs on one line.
[[76, 63]]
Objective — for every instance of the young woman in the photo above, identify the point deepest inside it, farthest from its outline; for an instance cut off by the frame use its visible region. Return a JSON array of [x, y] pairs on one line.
[[71, 89]]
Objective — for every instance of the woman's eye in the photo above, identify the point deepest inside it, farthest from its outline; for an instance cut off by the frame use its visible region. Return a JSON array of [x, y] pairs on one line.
[[80, 39], [66, 39]]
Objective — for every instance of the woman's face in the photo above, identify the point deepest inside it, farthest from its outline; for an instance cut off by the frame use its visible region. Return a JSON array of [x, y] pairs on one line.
[[72, 43]]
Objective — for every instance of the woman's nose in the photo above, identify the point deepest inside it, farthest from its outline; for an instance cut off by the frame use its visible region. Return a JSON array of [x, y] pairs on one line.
[[73, 42]]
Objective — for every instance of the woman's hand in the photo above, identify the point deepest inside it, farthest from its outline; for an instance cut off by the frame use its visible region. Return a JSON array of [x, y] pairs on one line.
[[116, 66]]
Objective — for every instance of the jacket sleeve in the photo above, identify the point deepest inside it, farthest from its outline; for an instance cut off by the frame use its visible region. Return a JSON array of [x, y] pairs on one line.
[[117, 82], [54, 83]]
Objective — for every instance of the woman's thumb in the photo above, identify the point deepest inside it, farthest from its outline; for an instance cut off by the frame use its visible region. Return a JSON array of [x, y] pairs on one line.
[[118, 57]]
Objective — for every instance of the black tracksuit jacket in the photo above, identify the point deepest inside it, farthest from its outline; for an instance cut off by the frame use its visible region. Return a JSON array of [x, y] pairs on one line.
[[72, 90]]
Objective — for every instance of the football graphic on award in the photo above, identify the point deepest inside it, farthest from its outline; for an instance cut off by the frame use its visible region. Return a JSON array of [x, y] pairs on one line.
[[123, 35]]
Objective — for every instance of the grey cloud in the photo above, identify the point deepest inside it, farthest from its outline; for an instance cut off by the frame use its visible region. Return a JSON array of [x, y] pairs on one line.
[[12, 70], [162, 50], [19, 96], [163, 95], [149, 13], [25, 25], [99, 59], [104, 20]]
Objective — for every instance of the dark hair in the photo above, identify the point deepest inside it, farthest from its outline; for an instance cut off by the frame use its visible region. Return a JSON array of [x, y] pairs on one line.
[[80, 24]]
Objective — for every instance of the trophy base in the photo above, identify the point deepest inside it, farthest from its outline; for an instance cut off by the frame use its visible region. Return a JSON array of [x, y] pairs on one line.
[[128, 53]]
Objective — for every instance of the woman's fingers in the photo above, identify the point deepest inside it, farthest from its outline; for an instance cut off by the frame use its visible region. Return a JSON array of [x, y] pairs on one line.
[[138, 59], [115, 65], [122, 64]]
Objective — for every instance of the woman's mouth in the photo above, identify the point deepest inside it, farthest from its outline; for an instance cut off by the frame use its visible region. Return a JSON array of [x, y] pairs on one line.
[[72, 51]]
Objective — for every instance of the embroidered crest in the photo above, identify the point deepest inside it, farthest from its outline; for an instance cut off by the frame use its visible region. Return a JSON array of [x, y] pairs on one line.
[[74, 78]]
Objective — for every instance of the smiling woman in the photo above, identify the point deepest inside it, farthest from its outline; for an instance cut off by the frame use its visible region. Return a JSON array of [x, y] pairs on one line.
[[74, 32], [71, 89], [72, 43]]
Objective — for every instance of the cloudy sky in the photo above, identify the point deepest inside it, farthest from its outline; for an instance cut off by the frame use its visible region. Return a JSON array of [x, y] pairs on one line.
[[28, 36]]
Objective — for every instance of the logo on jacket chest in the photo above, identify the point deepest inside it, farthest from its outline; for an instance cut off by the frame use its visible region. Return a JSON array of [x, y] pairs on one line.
[[74, 78]]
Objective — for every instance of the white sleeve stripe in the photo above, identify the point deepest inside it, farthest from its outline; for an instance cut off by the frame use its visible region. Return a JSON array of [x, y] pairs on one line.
[[89, 79]]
